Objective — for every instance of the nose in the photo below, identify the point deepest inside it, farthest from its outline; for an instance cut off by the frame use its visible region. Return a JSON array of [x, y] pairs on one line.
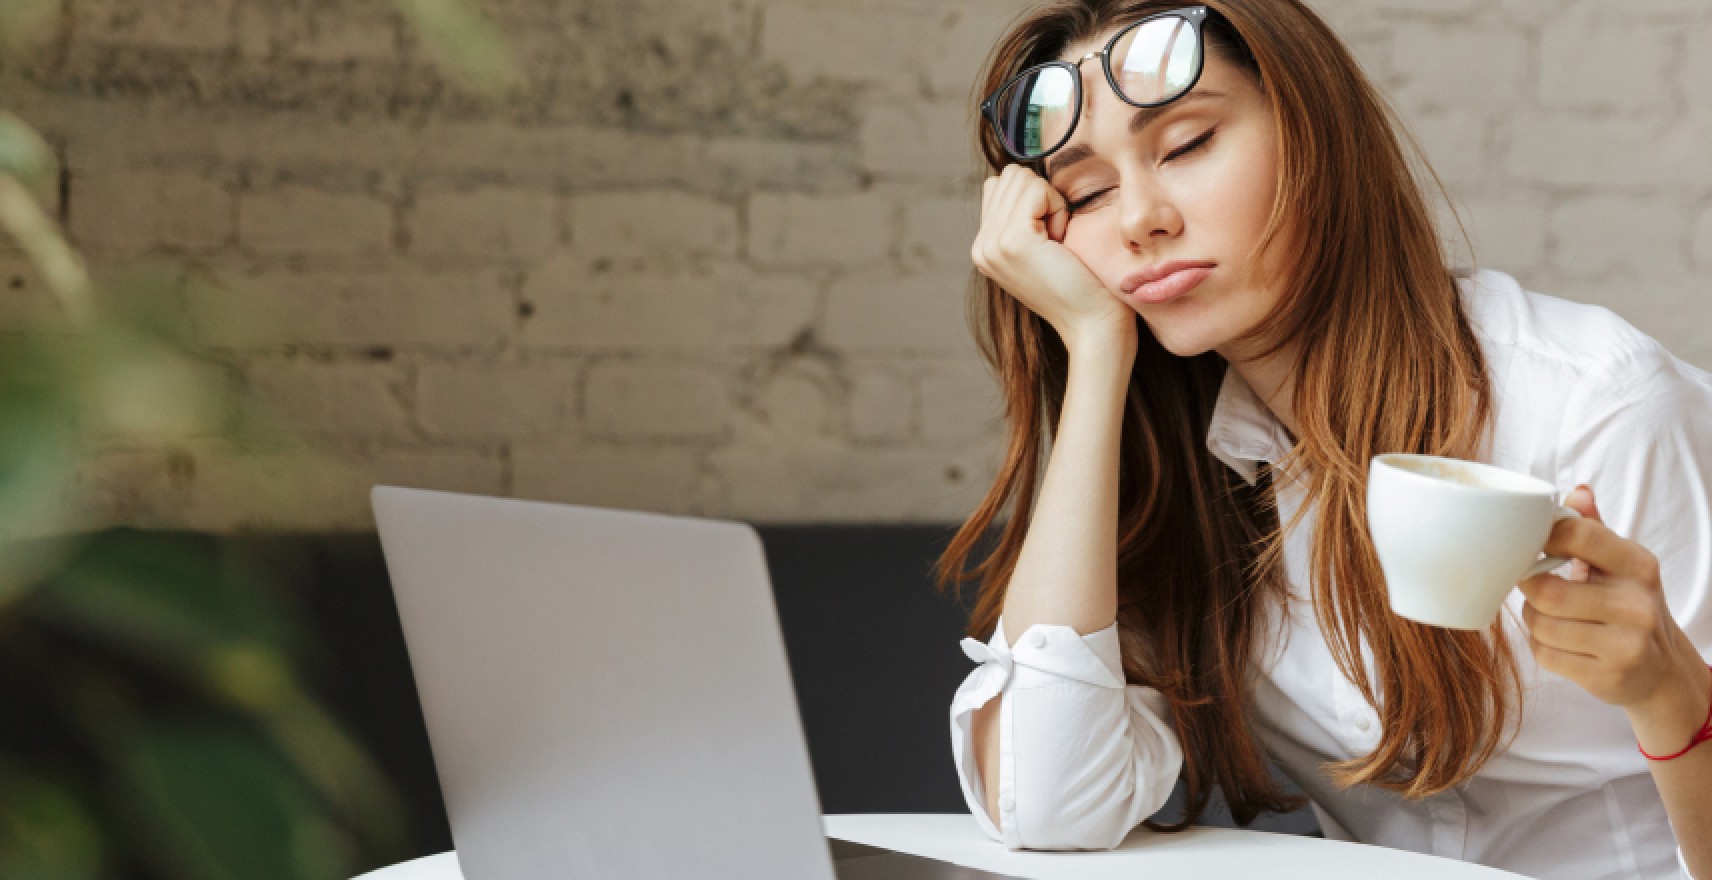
[[1146, 214]]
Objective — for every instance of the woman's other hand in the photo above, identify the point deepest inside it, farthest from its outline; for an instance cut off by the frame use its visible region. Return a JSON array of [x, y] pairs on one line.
[[1612, 633]]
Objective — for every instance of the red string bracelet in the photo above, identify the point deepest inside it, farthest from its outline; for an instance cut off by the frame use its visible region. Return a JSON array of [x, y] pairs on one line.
[[1704, 735]]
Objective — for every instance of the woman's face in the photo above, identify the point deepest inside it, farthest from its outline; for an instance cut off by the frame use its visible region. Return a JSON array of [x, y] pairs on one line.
[[1195, 183]]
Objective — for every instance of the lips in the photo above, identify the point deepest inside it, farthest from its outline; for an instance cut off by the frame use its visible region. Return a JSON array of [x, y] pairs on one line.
[[1166, 281]]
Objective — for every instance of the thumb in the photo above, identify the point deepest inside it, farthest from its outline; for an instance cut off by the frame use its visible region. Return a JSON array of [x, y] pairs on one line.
[[1581, 498]]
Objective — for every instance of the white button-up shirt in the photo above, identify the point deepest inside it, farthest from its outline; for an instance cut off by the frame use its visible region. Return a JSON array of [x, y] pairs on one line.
[[1579, 396]]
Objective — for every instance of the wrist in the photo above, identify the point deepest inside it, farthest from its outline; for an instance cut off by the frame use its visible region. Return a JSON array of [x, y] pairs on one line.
[[1668, 718], [1101, 340]]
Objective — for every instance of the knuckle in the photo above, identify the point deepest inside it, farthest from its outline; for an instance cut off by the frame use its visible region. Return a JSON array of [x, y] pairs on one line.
[[1650, 567], [1010, 244]]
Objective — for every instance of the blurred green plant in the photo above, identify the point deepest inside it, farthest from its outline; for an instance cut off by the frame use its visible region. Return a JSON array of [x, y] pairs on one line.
[[170, 673]]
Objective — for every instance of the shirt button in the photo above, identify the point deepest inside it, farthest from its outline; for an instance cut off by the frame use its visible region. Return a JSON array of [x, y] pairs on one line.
[[1038, 640], [1363, 725], [1006, 804]]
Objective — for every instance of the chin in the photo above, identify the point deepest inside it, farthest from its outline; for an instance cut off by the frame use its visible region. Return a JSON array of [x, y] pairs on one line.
[[1183, 344]]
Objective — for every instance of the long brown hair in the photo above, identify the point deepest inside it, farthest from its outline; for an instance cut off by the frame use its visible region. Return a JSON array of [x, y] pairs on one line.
[[1200, 550]]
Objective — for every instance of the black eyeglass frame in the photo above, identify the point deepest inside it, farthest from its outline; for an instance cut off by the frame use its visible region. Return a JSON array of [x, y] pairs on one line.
[[1196, 16]]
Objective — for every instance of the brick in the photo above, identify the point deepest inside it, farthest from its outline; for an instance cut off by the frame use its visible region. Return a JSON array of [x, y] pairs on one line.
[[1702, 238], [136, 211], [1455, 144], [1597, 234], [581, 155], [165, 397], [960, 37], [660, 480], [448, 470], [167, 24], [299, 220], [960, 403], [1696, 67], [796, 404], [924, 313], [318, 32], [865, 45], [723, 304], [344, 400], [937, 232], [1457, 66], [851, 485], [922, 140], [298, 490], [486, 401], [773, 310], [1660, 305], [736, 165], [133, 487], [484, 223], [787, 229], [1507, 233], [1571, 149], [1598, 58], [375, 308], [651, 225], [637, 401], [103, 135], [882, 406]]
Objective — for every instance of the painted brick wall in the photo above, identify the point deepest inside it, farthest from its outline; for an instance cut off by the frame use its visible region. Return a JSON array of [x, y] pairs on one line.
[[713, 257]]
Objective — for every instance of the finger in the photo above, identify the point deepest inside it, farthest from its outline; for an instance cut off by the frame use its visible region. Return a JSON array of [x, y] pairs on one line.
[[1570, 665], [1561, 597], [1007, 195], [1571, 636], [1058, 218], [1595, 543], [1581, 498]]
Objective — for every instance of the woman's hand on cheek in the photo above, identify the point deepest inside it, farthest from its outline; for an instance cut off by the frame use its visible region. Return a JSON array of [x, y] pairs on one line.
[[1611, 633], [1020, 247]]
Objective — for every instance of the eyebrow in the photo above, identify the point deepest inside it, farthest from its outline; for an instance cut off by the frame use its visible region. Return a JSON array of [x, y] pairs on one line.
[[1144, 116]]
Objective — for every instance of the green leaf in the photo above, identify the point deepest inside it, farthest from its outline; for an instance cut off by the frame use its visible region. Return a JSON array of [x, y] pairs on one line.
[[46, 832], [23, 152], [469, 43], [212, 803]]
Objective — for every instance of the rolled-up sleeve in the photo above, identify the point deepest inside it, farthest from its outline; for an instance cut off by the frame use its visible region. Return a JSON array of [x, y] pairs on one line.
[[1083, 757]]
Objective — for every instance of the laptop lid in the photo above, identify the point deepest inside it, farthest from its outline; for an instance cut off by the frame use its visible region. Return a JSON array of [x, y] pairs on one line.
[[606, 691]]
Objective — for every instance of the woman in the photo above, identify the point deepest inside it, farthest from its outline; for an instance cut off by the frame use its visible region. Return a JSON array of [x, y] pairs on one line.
[[1224, 292]]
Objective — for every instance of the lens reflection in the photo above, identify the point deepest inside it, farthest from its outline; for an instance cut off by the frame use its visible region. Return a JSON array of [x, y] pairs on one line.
[[1038, 110], [1156, 61]]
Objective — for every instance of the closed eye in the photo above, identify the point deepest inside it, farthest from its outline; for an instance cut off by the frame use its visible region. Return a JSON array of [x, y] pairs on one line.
[[1191, 146], [1184, 150]]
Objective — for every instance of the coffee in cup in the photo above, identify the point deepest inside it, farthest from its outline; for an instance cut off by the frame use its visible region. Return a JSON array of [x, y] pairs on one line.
[[1454, 537]]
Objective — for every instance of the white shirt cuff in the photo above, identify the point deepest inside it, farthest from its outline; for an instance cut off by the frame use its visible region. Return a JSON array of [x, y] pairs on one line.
[[1045, 655]]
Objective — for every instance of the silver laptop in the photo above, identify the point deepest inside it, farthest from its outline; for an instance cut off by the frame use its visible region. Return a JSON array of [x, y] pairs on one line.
[[607, 695]]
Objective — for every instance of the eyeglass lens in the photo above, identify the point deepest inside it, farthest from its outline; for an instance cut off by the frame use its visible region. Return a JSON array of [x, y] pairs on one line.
[[1152, 63]]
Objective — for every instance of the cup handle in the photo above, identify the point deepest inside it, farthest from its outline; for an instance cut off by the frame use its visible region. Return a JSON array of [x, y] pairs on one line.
[[1551, 562]]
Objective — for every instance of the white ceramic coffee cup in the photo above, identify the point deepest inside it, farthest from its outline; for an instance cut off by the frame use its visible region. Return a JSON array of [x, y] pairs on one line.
[[1454, 536]]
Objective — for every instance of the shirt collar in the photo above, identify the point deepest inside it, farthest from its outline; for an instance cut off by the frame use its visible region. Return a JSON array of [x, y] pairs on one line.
[[1243, 432]]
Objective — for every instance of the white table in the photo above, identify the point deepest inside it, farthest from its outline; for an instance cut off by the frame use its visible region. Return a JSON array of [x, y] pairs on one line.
[[1202, 853]]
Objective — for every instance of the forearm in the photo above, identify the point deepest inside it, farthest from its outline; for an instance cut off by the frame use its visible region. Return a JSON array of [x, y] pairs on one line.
[[1685, 783], [1066, 571]]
